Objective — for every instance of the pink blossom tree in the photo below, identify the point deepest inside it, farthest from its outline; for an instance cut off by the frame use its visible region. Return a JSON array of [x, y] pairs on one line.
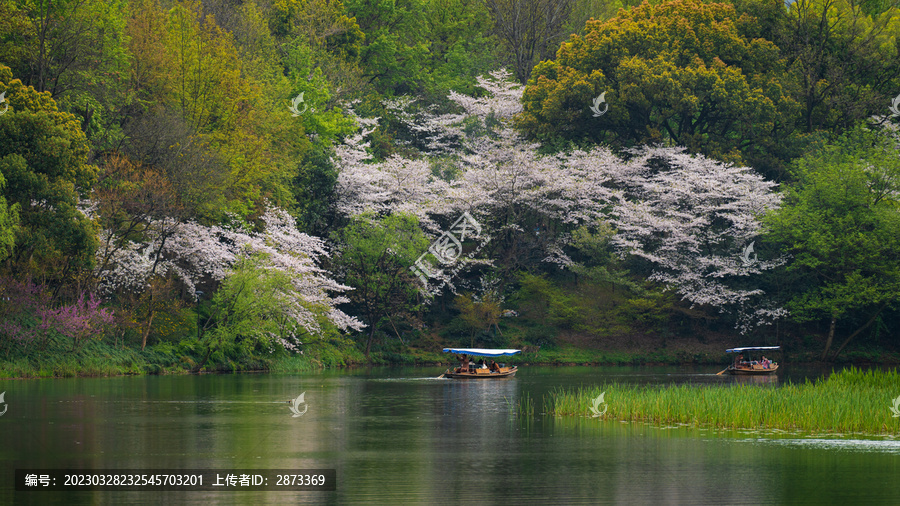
[[28, 314], [689, 217], [527, 200], [78, 321], [693, 220], [192, 253]]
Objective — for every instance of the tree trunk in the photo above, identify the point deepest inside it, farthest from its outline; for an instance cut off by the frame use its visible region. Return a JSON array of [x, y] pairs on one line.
[[369, 343], [858, 331], [150, 314], [830, 337], [205, 359], [395, 328]]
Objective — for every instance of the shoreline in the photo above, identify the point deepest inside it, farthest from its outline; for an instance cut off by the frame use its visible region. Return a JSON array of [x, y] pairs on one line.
[[140, 364]]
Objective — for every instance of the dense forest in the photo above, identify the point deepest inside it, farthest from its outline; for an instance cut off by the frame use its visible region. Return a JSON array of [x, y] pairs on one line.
[[228, 184]]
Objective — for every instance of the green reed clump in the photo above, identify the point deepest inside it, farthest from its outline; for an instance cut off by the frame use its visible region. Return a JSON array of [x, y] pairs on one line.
[[525, 406], [848, 401]]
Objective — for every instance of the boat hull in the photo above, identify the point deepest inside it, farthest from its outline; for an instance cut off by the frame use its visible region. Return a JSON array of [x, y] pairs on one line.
[[452, 373], [750, 372]]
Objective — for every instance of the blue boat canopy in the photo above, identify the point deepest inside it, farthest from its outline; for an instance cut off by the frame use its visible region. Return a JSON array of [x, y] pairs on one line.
[[481, 352], [753, 348]]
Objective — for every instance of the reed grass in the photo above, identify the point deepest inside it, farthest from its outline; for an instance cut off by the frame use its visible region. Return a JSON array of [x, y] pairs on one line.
[[849, 401], [525, 406]]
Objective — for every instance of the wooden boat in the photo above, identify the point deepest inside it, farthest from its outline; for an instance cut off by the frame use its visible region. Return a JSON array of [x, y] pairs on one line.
[[474, 371], [749, 367]]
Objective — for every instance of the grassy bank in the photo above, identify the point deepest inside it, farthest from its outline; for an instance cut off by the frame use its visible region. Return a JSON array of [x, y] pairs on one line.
[[98, 358], [849, 401], [105, 358]]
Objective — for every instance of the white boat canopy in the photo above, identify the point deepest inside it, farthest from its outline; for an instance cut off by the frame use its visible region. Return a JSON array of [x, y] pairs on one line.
[[481, 352], [752, 348]]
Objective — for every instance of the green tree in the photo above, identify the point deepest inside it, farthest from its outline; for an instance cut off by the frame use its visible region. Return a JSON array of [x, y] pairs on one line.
[[840, 221], [846, 63], [9, 222], [682, 72], [214, 108], [256, 309], [43, 157], [376, 254], [461, 46], [76, 50], [479, 314], [396, 48]]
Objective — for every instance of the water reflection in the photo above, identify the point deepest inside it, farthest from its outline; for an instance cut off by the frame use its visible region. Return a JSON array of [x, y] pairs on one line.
[[859, 445], [401, 436], [769, 379]]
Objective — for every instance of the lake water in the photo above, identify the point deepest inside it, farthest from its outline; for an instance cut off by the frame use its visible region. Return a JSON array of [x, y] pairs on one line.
[[400, 436]]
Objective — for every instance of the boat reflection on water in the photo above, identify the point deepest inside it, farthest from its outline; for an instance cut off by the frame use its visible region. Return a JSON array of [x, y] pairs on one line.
[[755, 380]]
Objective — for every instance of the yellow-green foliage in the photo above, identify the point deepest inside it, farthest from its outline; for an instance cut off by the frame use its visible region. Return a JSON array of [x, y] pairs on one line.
[[848, 401], [663, 69]]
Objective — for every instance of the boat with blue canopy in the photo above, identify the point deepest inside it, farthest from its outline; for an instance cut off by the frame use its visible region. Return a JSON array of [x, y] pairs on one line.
[[469, 369], [744, 365]]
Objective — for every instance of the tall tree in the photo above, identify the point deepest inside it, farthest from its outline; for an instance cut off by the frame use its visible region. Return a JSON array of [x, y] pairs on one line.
[[9, 222], [43, 157], [76, 50], [375, 258], [846, 62], [694, 220], [840, 221], [531, 29], [684, 73], [395, 48]]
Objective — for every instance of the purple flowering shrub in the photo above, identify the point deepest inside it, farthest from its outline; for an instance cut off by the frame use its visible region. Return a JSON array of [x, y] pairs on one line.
[[28, 315]]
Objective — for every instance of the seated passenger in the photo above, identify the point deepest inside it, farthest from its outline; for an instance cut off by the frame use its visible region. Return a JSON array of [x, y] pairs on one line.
[[463, 363]]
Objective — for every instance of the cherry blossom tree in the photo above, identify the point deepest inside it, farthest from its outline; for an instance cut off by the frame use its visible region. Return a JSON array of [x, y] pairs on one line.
[[192, 253], [694, 220], [496, 175], [689, 217]]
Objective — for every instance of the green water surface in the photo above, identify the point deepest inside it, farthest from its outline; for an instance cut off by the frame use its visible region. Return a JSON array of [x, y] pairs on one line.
[[400, 436]]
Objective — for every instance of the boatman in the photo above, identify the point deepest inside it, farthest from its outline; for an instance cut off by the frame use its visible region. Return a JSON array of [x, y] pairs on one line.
[[463, 362]]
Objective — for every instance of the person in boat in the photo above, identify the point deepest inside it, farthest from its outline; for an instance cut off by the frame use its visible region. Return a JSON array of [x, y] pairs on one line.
[[463, 363], [483, 364], [739, 360], [765, 362], [494, 366]]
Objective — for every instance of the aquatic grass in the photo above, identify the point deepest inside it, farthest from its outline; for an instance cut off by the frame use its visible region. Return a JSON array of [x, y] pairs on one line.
[[849, 401], [525, 406]]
